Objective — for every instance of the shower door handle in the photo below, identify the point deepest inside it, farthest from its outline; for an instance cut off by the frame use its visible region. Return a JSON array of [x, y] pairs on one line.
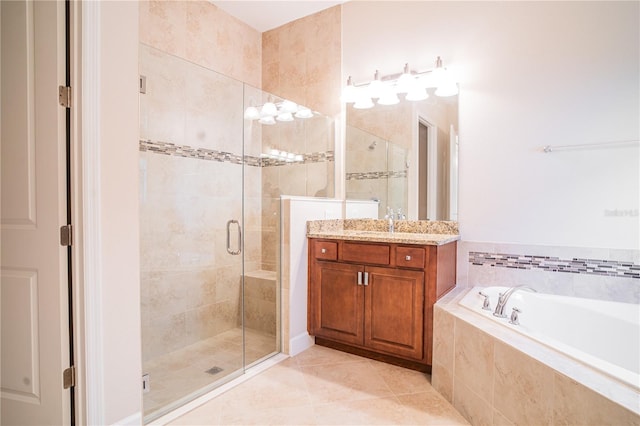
[[239, 250]]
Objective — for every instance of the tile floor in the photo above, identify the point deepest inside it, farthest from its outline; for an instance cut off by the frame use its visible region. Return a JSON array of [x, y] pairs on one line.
[[322, 386], [180, 373]]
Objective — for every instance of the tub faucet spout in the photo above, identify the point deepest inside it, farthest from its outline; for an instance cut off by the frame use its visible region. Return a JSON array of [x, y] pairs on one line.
[[504, 297]]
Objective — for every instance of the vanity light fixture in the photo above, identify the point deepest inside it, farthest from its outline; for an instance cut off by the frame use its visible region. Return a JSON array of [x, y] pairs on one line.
[[281, 111], [414, 84], [349, 92]]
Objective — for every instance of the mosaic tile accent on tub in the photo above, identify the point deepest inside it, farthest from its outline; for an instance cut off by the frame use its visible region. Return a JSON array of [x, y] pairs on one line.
[[376, 175], [610, 268], [168, 148]]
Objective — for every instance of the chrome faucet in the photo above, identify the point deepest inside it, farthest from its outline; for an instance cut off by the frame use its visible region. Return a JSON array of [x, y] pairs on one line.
[[389, 217], [504, 297]]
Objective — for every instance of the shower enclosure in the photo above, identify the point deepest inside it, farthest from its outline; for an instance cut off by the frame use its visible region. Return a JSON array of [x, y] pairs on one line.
[[211, 178], [376, 170]]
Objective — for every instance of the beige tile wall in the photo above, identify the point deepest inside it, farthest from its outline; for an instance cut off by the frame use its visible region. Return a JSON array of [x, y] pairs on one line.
[[301, 61], [203, 34], [195, 60], [190, 285], [189, 291], [491, 383]]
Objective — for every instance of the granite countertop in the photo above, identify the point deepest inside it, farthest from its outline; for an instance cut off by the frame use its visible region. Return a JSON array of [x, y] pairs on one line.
[[407, 231]]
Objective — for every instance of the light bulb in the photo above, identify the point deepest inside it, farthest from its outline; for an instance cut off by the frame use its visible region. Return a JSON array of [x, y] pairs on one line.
[[349, 92], [375, 87], [251, 113], [268, 120], [363, 102], [405, 81], [438, 76], [284, 116], [417, 94], [269, 109], [388, 97], [288, 106], [304, 112]]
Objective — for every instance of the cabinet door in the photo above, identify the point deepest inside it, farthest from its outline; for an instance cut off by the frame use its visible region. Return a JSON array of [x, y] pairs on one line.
[[394, 312], [338, 302]]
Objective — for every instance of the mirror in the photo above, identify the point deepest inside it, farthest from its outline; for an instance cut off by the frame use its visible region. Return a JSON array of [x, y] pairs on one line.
[[403, 156]]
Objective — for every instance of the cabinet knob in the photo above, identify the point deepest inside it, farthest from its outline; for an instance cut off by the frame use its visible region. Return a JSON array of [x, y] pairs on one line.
[[323, 250], [407, 257]]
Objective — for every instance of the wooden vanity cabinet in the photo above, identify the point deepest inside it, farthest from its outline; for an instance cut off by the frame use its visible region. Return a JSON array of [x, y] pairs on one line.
[[376, 299]]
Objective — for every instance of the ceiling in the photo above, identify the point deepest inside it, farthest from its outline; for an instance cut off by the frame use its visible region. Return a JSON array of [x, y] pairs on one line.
[[266, 15]]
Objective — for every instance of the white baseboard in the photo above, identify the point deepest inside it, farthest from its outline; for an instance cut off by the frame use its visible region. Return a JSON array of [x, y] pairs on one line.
[[300, 343], [132, 420]]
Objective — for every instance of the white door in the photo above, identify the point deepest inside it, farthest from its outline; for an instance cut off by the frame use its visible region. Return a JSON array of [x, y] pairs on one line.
[[34, 312]]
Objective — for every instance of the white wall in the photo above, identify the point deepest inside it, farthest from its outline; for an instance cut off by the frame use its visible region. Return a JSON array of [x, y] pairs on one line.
[[119, 220], [532, 74], [296, 211]]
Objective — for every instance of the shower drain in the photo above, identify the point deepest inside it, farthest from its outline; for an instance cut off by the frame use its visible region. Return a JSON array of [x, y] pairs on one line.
[[214, 370]]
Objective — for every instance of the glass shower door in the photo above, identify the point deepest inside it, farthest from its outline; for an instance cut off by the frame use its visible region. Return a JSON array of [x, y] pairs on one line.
[[191, 209]]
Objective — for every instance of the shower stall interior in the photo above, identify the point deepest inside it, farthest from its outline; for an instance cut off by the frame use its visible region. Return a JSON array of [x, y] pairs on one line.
[[211, 177], [376, 169]]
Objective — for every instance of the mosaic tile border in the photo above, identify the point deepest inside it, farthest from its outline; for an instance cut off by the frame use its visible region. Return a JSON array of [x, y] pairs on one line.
[[186, 151], [376, 175], [609, 268]]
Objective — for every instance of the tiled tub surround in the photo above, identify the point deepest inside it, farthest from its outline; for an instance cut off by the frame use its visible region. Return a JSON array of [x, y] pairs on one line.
[[602, 334], [606, 274], [493, 375]]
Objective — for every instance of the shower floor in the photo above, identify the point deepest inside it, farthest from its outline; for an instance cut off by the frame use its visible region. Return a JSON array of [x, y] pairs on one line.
[[175, 375]]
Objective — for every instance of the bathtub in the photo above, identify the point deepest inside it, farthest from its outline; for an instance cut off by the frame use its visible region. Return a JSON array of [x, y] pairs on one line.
[[601, 334], [569, 361]]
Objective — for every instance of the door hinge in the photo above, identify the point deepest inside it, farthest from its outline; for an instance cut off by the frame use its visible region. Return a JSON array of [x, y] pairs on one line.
[[69, 377], [64, 96], [66, 235]]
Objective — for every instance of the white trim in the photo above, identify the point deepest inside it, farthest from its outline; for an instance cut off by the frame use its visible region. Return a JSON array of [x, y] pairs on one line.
[[90, 104], [300, 343], [432, 166], [132, 420], [432, 169]]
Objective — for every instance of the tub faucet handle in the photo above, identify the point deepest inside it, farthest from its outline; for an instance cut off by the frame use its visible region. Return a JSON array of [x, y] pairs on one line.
[[486, 304], [514, 316]]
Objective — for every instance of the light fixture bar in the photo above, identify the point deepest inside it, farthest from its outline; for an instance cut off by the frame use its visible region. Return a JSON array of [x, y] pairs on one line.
[[412, 83]]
